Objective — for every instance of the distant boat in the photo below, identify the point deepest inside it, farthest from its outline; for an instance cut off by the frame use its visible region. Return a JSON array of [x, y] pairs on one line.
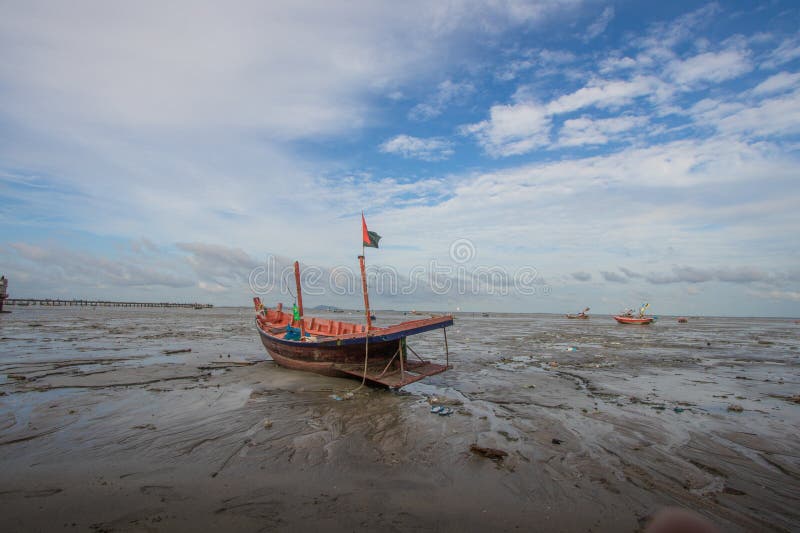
[[582, 314], [683, 320], [484, 314], [627, 316], [634, 320]]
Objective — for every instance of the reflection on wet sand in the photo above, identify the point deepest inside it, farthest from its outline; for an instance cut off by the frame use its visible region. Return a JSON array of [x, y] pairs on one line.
[[599, 426]]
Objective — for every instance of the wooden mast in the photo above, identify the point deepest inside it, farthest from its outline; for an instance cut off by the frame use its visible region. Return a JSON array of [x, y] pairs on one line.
[[299, 298], [364, 288]]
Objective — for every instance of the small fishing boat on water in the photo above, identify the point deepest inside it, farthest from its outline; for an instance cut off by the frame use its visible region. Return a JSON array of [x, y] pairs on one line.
[[633, 319], [581, 314], [627, 317], [375, 355]]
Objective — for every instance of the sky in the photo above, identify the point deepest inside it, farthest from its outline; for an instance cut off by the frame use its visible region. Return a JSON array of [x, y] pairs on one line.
[[519, 156]]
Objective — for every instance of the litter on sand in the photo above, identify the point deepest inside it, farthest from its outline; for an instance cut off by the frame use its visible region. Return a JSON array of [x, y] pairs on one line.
[[491, 453], [182, 350]]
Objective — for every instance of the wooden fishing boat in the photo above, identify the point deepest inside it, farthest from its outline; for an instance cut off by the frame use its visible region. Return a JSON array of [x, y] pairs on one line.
[[375, 355], [336, 348], [634, 319]]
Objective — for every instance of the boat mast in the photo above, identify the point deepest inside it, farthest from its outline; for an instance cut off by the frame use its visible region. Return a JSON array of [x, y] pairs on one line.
[[364, 288], [299, 299]]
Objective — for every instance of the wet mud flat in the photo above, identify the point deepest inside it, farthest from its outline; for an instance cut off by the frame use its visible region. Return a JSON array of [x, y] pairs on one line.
[[108, 424]]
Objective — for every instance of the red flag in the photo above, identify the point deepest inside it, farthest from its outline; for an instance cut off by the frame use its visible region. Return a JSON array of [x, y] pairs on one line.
[[364, 234], [368, 238]]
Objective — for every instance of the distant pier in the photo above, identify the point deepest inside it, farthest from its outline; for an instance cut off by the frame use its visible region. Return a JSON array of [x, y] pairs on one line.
[[23, 302]]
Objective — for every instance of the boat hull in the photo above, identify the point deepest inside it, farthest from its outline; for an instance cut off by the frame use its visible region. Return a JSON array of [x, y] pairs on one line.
[[633, 320], [344, 353], [577, 316], [322, 359]]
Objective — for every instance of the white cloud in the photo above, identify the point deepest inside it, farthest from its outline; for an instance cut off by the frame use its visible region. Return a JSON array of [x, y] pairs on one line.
[[789, 50], [215, 259], [523, 127], [30, 252], [512, 129], [710, 66], [431, 149], [291, 70], [780, 82], [709, 111], [599, 26], [447, 93], [792, 296], [604, 94], [671, 33], [555, 57], [613, 64], [66, 269], [352, 193], [775, 116], [546, 62], [584, 130], [212, 287]]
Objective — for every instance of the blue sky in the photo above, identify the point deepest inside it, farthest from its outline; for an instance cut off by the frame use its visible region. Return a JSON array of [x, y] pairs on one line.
[[605, 153]]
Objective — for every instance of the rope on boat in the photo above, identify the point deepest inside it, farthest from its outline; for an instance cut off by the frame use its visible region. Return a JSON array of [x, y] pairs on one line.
[[399, 349], [366, 358]]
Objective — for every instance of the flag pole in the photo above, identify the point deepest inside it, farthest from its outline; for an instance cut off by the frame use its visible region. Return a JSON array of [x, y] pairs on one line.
[[364, 289], [364, 279]]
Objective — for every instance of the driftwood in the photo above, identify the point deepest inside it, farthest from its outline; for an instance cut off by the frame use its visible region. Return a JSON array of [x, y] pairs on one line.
[[491, 453], [170, 352]]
